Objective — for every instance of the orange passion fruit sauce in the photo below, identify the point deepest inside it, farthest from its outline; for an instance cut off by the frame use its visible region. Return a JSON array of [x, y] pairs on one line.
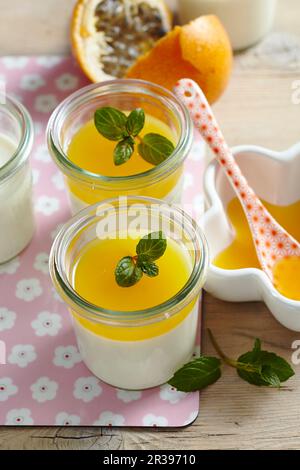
[[241, 253]]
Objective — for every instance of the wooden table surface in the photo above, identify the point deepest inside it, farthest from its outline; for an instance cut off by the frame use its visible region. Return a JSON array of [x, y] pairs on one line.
[[257, 108]]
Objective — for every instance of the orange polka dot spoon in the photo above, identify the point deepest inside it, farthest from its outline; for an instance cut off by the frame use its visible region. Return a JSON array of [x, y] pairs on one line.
[[273, 244]]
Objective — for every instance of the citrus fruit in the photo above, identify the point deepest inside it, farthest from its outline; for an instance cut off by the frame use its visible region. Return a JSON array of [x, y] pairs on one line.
[[109, 35], [199, 50]]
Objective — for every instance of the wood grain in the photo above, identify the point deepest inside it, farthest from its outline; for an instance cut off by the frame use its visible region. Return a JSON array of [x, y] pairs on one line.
[[256, 108]]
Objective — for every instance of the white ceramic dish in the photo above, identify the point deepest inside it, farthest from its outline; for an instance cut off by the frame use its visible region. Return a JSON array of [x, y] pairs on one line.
[[275, 177]]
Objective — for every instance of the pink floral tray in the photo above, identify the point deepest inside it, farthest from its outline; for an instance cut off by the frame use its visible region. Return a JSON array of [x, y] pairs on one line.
[[44, 381]]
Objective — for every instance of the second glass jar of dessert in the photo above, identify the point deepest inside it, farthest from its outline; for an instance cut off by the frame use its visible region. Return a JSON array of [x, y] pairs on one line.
[[134, 336], [87, 161]]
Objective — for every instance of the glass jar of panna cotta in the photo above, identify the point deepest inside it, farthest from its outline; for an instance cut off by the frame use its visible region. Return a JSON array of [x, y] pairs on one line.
[[86, 158], [131, 337], [246, 21], [16, 206]]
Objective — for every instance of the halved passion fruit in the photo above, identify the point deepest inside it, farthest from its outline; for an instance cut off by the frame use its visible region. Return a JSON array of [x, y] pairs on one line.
[[109, 35]]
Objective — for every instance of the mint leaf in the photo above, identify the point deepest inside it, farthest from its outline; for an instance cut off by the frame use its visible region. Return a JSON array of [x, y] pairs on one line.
[[123, 151], [152, 246], [127, 273], [135, 122], [130, 269], [197, 374], [271, 369], [149, 268], [270, 377], [111, 123], [155, 148]]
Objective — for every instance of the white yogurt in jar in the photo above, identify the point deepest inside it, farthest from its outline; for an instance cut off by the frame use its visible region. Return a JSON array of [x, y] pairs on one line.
[[16, 211], [246, 21], [137, 365]]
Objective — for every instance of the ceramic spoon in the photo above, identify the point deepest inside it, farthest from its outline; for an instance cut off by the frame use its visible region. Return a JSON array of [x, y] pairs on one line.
[[272, 242]]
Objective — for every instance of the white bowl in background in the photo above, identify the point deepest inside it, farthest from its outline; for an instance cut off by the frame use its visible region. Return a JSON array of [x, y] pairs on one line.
[[275, 177]]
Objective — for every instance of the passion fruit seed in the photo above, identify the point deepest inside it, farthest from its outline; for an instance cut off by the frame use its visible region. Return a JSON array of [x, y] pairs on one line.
[[128, 33]]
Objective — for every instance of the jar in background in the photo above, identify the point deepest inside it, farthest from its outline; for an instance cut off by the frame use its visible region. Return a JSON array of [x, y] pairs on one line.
[[163, 181], [16, 206], [246, 21]]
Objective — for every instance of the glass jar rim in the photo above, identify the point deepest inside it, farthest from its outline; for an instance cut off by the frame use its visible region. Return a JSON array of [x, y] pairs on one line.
[[130, 86], [117, 317], [22, 152]]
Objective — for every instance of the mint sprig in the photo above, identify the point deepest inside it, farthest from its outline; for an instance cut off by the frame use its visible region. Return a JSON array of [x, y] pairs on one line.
[[257, 367], [130, 269], [114, 125]]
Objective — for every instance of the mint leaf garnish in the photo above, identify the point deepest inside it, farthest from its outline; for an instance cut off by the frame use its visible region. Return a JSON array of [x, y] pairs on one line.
[[149, 268], [123, 151], [127, 273], [115, 125], [155, 148], [130, 269], [152, 246], [111, 123], [135, 122]]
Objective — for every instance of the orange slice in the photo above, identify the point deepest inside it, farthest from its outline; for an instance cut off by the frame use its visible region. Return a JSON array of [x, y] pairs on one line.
[[199, 50], [109, 35]]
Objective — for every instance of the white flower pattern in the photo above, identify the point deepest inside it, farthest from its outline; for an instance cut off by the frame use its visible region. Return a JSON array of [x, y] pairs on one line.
[[67, 81], [108, 418], [47, 324], [42, 154], [44, 389], [10, 267], [128, 395], [28, 289], [170, 394], [45, 103], [155, 421], [22, 355], [7, 388], [87, 388], [15, 62], [65, 419], [48, 61], [66, 356], [7, 319], [41, 262], [58, 181], [47, 205], [32, 82], [19, 417]]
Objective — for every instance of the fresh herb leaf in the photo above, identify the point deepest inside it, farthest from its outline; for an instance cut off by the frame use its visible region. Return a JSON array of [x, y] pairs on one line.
[[257, 367], [127, 273], [111, 123], [197, 374], [155, 148], [149, 268], [123, 151], [130, 269], [135, 122], [272, 369], [270, 377], [152, 246]]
